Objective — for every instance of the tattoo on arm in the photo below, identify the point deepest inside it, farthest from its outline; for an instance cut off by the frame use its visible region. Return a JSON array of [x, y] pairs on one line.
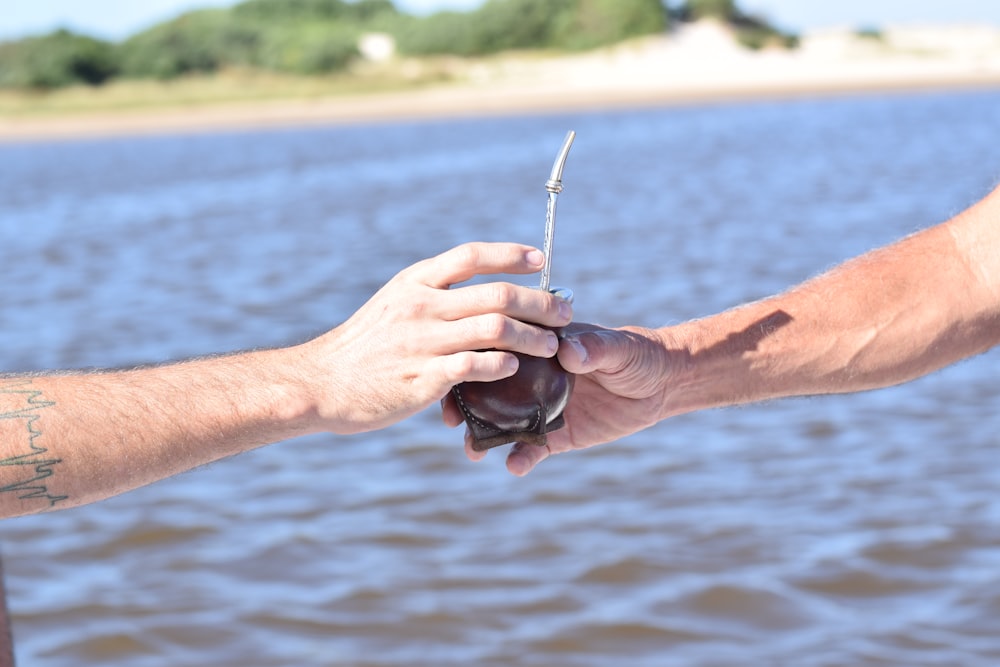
[[25, 472]]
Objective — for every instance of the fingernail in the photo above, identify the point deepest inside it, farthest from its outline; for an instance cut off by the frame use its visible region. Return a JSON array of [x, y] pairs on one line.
[[578, 347], [534, 257], [565, 311], [510, 364], [552, 342]]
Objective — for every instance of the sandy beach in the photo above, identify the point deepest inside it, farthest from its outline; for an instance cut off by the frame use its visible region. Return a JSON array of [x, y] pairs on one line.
[[696, 63]]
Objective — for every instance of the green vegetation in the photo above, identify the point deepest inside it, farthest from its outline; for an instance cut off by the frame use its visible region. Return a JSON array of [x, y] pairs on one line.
[[210, 40], [292, 36], [501, 25], [320, 37], [58, 59], [724, 10], [751, 32]]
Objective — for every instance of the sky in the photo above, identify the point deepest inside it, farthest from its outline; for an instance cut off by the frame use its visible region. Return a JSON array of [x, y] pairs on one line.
[[116, 19]]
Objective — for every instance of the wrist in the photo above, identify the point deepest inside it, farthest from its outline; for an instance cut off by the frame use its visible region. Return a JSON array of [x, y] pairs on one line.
[[326, 394], [289, 386], [660, 366], [681, 387], [703, 371]]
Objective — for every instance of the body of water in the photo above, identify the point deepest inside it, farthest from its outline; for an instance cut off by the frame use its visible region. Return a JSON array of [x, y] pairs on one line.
[[852, 530]]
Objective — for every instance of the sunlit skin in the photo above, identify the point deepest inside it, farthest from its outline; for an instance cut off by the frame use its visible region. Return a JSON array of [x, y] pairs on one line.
[[886, 317], [72, 438]]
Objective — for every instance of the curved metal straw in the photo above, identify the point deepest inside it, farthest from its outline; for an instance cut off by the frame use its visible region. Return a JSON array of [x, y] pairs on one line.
[[554, 187]]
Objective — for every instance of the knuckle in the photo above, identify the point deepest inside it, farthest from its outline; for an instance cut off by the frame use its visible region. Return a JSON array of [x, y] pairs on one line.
[[416, 267], [467, 254], [501, 295], [547, 307], [493, 327], [530, 339], [413, 308], [461, 365]]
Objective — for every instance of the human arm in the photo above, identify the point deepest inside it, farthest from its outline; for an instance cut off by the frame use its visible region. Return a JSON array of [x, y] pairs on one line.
[[71, 438], [884, 318]]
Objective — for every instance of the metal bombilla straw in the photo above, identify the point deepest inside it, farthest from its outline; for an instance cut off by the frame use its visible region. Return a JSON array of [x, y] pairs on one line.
[[554, 187], [527, 406]]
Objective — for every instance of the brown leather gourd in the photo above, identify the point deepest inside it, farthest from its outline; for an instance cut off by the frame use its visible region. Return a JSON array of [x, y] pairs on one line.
[[528, 405]]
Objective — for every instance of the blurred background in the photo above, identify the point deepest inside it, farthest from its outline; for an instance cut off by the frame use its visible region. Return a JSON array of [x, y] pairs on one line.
[[68, 69], [154, 205]]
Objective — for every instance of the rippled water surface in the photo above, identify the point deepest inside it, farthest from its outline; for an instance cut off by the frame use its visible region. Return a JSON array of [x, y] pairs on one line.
[[856, 530]]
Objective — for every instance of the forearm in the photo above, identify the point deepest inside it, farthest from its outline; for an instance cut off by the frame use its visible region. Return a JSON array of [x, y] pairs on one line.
[[70, 439], [881, 319], [884, 318]]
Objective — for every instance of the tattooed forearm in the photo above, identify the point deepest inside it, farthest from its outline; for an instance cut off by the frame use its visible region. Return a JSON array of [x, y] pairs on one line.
[[26, 465]]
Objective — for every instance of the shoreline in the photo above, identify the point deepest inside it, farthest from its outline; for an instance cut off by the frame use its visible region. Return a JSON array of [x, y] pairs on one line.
[[438, 104], [699, 66]]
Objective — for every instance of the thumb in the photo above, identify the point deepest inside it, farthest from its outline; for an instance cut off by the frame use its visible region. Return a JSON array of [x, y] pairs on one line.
[[595, 350]]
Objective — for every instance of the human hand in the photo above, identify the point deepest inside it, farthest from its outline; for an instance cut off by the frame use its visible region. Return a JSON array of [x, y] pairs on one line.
[[621, 385], [416, 338]]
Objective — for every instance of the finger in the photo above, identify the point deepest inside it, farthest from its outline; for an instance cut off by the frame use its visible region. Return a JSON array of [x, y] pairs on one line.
[[472, 259], [523, 457], [450, 414], [573, 355], [595, 349], [472, 454], [521, 303], [581, 327], [487, 366], [494, 331]]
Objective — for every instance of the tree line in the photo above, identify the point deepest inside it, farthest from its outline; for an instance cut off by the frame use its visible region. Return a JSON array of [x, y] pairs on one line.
[[311, 37]]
